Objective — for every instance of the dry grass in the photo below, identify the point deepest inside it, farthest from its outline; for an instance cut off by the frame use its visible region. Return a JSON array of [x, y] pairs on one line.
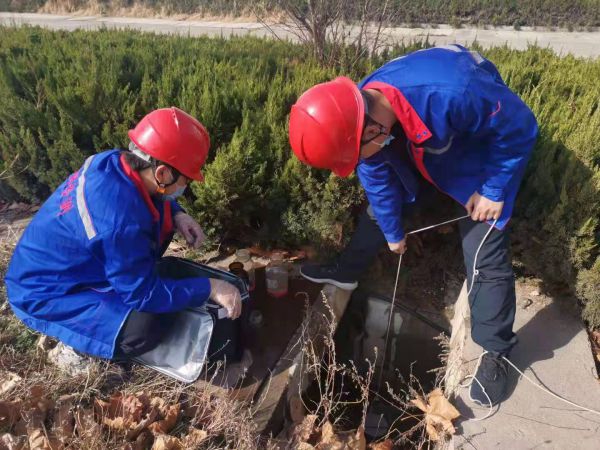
[[116, 9], [343, 385]]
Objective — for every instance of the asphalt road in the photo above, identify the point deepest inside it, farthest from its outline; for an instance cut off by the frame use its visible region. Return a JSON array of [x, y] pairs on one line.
[[582, 44]]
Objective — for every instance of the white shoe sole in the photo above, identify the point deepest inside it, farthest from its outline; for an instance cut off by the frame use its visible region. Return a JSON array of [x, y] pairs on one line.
[[339, 284]]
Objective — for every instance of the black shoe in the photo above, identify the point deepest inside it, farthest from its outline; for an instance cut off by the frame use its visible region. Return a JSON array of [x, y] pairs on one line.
[[492, 373], [330, 274]]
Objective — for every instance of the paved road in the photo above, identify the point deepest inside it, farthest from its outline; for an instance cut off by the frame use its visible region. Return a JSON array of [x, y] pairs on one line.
[[585, 44]]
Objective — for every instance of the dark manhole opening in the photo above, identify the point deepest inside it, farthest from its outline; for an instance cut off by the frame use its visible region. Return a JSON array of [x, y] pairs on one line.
[[411, 360]]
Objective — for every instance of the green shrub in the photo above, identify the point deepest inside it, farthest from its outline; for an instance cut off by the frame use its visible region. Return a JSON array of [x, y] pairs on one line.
[[68, 95]]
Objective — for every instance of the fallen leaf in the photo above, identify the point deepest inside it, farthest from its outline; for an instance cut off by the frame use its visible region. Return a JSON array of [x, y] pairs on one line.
[[85, 425], [194, 438], [165, 442], [8, 381], [64, 419], [304, 431], [38, 440], [20, 428], [132, 408], [327, 434], [304, 446], [34, 418], [143, 424], [159, 403], [142, 442], [168, 422], [10, 442], [383, 445], [357, 441], [10, 413], [439, 413], [118, 423]]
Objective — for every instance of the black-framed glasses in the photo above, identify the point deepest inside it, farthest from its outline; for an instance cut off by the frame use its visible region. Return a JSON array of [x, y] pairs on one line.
[[368, 120]]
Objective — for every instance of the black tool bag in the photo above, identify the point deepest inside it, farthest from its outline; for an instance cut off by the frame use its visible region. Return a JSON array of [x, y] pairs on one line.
[[199, 334]]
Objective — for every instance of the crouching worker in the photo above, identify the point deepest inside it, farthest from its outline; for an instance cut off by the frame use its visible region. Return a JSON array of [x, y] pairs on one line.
[[87, 269]]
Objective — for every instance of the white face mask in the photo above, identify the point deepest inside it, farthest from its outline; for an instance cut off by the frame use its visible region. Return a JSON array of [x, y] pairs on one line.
[[171, 197], [388, 139]]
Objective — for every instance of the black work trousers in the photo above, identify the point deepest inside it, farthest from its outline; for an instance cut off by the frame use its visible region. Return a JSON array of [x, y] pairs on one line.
[[142, 331], [492, 299]]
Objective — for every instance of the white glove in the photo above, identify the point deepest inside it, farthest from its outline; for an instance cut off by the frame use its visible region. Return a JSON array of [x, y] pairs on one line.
[[226, 295], [189, 229]]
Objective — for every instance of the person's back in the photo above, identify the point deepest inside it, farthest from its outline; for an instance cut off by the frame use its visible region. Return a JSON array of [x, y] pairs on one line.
[[57, 241]]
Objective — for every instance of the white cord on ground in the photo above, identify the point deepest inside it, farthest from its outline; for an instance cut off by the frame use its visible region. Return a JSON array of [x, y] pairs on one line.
[[542, 388], [474, 378]]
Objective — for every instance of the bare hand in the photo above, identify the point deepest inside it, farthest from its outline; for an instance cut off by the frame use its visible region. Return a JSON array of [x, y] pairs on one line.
[[226, 295], [398, 247], [482, 209], [189, 229]]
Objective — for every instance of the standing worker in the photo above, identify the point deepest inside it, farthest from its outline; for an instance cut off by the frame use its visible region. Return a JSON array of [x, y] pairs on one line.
[[446, 112], [87, 269]]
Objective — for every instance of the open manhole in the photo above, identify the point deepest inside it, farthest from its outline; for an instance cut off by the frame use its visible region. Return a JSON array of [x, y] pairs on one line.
[[411, 359]]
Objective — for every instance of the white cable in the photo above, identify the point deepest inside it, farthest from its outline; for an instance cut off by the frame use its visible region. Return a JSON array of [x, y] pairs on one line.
[[474, 378], [438, 224], [387, 333], [475, 271], [537, 385]]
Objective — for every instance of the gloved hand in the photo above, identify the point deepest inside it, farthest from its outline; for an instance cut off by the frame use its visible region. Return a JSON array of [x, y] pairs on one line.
[[226, 295], [189, 229]]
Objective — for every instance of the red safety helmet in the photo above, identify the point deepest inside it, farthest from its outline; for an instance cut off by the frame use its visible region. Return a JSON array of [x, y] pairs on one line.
[[172, 136], [326, 126]]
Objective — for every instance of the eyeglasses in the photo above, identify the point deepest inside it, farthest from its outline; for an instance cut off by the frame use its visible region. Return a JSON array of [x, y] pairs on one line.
[[368, 120]]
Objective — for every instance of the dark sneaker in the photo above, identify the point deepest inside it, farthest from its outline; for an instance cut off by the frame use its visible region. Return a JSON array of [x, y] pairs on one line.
[[330, 274], [492, 373]]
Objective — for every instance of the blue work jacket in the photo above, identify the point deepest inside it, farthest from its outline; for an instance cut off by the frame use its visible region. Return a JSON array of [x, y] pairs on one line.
[[466, 131], [88, 258]]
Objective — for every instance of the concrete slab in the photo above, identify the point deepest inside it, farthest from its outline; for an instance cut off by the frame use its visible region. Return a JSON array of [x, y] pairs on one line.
[[553, 349]]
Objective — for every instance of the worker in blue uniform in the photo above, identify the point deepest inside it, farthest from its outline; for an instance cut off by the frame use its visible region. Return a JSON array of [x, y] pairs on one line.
[[87, 269], [445, 115]]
